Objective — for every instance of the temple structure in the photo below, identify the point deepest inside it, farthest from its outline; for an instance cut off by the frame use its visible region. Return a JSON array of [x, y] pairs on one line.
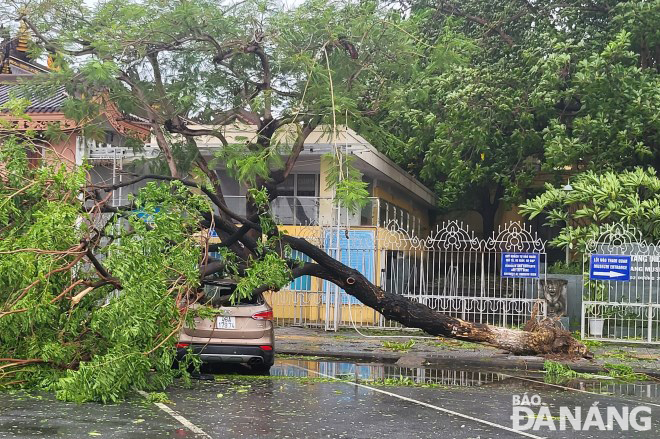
[[17, 69]]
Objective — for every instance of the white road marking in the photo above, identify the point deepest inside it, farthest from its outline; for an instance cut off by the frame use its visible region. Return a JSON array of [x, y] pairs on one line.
[[579, 390], [425, 404], [186, 423]]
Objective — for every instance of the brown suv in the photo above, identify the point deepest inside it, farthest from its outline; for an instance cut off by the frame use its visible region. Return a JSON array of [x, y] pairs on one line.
[[242, 333]]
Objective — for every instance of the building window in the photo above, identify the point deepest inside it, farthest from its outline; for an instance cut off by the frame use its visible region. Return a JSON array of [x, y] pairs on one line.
[[306, 185], [300, 185], [297, 203]]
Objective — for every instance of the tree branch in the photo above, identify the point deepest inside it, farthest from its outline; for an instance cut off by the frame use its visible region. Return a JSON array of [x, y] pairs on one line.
[[88, 50], [453, 10], [297, 148], [256, 48], [176, 125], [154, 121], [212, 196], [103, 272]]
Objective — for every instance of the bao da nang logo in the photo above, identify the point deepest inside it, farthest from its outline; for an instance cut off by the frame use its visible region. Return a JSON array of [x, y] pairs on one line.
[[529, 413]]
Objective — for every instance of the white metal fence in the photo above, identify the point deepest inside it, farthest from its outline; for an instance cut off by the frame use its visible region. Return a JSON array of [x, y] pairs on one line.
[[450, 270], [621, 299], [454, 272]]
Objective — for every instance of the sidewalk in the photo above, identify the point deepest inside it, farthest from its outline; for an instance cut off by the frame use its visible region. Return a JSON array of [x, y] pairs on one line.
[[437, 351]]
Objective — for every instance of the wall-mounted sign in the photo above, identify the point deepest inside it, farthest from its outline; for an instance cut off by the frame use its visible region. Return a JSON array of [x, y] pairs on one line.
[[610, 267], [520, 265]]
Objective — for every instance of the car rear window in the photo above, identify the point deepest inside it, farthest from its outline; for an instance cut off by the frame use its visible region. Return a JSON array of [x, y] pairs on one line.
[[216, 294]]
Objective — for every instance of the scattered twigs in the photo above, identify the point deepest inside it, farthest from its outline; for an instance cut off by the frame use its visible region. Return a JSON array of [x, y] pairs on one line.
[[78, 297], [23, 189], [39, 251], [13, 311], [170, 335], [67, 290], [12, 362]]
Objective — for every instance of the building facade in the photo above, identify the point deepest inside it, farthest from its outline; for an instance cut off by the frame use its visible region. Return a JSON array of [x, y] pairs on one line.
[[71, 148], [306, 207]]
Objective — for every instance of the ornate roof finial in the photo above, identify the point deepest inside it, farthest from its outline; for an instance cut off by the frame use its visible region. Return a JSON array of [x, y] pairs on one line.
[[23, 37]]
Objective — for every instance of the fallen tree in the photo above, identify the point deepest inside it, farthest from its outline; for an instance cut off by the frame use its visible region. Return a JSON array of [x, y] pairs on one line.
[[538, 337], [92, 296], [102, 294]]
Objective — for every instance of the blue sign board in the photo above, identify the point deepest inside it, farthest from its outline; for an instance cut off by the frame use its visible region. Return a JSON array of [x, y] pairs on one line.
[[520, 265], [213, 233], [610, 267], [145, 215]]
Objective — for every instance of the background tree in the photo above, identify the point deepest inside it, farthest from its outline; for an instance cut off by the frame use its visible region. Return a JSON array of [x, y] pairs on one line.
[[539, 86], [599, 200]]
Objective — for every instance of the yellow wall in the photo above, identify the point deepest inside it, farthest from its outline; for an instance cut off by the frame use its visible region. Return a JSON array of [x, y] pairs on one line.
[[304, 306]]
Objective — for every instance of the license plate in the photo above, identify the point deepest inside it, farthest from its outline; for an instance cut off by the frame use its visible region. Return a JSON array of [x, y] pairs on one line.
[[225, 322]]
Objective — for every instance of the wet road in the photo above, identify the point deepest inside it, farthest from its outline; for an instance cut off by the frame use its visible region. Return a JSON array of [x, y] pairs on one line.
[[303, 400]]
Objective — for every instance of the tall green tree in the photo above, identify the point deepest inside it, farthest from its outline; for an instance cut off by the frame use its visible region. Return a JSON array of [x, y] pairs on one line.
[[597, 201], [539, 87]]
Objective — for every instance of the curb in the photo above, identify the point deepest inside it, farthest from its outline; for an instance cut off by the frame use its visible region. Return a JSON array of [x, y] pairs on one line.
[[531, 364]]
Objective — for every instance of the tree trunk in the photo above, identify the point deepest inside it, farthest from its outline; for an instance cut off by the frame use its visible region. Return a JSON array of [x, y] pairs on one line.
[[488, 221], [542, 337], [489, 204]]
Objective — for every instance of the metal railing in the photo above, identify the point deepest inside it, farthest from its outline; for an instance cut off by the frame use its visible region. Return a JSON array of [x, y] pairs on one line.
[[450, 271], [99, 151], [626, 310]]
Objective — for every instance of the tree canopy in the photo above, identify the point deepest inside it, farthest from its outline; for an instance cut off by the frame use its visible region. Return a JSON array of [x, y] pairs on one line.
[[537, 87], [596, 201]]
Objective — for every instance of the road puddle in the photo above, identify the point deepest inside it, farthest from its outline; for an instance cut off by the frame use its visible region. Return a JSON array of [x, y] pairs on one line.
[[385, 373], [645, 390], [391, 374]]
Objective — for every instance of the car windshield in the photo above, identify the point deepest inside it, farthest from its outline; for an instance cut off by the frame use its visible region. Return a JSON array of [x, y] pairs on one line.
[[219, 294]]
